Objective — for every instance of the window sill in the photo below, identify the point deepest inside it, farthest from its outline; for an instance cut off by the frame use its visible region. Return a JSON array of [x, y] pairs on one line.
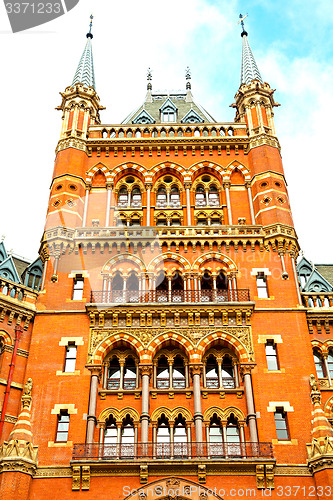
[[282, 370], [264, 298], [76, 372], [83, 300], [67, 444], [291, 442]]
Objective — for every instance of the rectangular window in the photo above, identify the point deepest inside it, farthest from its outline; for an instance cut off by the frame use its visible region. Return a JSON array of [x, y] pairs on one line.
[[271, 355], [78, 287], [63, 426], [281, 425], [262, 286], [70, 357]]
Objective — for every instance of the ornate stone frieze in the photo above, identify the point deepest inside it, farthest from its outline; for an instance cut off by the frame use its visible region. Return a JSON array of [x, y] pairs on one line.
[[194, 335]]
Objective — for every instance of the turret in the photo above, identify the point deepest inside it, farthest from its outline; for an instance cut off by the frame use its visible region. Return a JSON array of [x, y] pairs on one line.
[[80, 102]]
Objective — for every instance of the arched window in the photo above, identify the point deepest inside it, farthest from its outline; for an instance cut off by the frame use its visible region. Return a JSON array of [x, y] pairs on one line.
[[212, 376], [163, 438], [319, 364], [123, 197], [177, 288], [233, 437], [180, 447], [330, 362], [206, 294], [132, 288], [117, 285], [130, 374], [162, 287], [178, 373], [228, 380], [213, 197], [113, 381], [161, 199], [215, 437], [136, 198], [200, 198], [174, 197], [127, 438], [163, 373], [110, 433]]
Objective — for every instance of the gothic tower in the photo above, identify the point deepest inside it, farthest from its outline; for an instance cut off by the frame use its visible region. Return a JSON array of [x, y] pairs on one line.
[[170, 350]]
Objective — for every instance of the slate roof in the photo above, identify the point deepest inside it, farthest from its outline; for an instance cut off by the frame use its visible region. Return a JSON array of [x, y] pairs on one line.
[[182, 100], [249, 68]]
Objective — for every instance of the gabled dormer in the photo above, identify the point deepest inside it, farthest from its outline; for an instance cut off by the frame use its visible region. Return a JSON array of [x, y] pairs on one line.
[[168, 111], [317, 283], [143, 117], [8, 270], [192, 117]]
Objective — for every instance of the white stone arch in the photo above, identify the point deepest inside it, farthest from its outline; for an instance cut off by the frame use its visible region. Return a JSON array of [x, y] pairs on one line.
[[156, 261], [109, 266]]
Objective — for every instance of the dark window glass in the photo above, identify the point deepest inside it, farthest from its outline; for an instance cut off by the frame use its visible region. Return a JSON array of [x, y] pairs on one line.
[[319, 365], [78, 288], [63, 426], [70, 358], [262, 286], [281, 425], [271, 355]]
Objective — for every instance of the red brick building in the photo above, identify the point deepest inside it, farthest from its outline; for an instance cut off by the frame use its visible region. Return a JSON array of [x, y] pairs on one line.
[[172, 344]]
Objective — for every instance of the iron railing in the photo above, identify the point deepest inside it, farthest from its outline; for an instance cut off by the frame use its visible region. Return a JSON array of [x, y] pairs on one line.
[[162, 296], [191, 451], [227, 383], [114, 383], [164, 383]]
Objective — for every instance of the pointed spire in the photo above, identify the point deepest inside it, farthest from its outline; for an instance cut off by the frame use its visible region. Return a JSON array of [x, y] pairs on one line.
[[85, 70], [249, 69]]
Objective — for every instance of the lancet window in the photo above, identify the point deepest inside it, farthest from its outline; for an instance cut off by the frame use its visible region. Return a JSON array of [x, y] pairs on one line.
[[121, 371], [220, 370], [213, 287], [170, 370]]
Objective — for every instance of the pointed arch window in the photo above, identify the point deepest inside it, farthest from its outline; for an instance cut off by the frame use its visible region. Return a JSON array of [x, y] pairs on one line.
[[200, 198], [161, 198], [228, 379], [174, 197], [330, 362], [212, 375], [319, 364], [136, 198], [213, 197], [163, 438], [177, 288], [117, 285], [178, 373], [163, 374], [123, 198], [127, 438], [130, 374], [216, 448], [233, 437], [114, 374]]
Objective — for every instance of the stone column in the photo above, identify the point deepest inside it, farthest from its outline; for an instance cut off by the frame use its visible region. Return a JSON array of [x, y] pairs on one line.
[[292, 257], [324, 356], [105, 375], [108, 204], [196, 371], [188, 202], [101, 426], [91, 418], [219, 368], [251, 414], [172, 430], [148, 188], [226, 186], [121, 376], [249, 193], [85, 207], [170, 361], [187, 382], [145, 371], [44, 274]]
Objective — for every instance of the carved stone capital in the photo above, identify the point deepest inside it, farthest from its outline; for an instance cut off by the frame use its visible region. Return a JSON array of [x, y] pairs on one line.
[[95, 370], [196, 369], [245, 368], [145, 370]]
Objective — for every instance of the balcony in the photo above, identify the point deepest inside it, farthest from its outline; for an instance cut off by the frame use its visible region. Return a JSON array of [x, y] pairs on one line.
[[175, 296], [320, 299], [227, 383], [175, 451], [114, 384]]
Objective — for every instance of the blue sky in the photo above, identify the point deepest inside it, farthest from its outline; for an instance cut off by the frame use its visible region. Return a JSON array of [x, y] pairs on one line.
[[292, 43]]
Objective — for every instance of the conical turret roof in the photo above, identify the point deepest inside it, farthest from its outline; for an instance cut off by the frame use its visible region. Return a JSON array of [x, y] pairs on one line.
[[249, 69], [85, 70]]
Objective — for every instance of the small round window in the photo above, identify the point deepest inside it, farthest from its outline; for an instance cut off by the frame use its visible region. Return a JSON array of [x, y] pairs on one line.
[[59, 187], [206, 178], [130, 180], [278, 184], [168, 179], [72, 187], [264, 184]]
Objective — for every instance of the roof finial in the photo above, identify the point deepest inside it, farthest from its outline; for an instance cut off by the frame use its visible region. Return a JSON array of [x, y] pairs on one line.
[[188, 78], [90, 35], [241, 21], [149, 78]]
